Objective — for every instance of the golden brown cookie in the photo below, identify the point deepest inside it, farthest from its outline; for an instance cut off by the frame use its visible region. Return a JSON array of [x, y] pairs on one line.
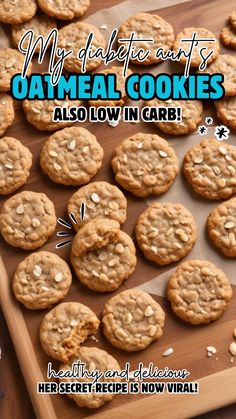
[[94, 359], [132, 320], [41, 24], [27, 220], [199, 292], [228, 36], [71, 156], [221, 226], [196, 59], [102, 255], [40, 113], [147, 26], [145, 164], [166, 232], [191, 115], [210, 168], [225, 64], [7, 113], [11, 63], [65, 327], [120, 85], [100, 200], [17, 11], [226, 111], [73, 37], [41, 280], [15, 164], [64, 9]]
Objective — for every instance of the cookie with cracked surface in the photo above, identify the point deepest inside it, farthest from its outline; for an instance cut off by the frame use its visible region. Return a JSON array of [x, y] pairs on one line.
[[101, 200], [41, 24], [11, 63], [7, 113], [27, 220], [199, 292], [15, 164], [147, 26], [226, 65], [71, 156], [41, 280], [95, 359], [210, 169], [65, 327], [166, 232], [228, 36], [196, 59], [226, 111], [64, 9], [40, 113], [221, 226], [191, 115], [232, 19], [120, 85], [132, 320], [17, 11], [145, 164], [102, 255], [73, 37]]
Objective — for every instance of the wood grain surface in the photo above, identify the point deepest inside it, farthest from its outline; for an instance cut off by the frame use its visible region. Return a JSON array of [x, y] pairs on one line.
[[190, 343]]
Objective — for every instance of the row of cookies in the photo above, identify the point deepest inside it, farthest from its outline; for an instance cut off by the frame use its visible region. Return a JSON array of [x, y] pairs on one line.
[[102, 255], [143, 164], [16, 12], [43, 279]]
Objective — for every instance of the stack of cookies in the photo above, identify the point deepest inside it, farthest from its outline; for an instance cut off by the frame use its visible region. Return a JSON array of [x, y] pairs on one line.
[[103, 256]]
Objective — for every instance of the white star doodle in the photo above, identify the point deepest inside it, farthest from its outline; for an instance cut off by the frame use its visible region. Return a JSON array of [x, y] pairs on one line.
[[221, 132]]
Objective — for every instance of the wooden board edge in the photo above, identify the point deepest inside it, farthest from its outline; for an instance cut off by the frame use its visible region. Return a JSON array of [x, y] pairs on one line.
[[24, 349], [215, 391]]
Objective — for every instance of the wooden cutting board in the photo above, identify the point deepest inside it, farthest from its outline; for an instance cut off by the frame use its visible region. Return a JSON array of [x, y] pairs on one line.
[[216, 375]]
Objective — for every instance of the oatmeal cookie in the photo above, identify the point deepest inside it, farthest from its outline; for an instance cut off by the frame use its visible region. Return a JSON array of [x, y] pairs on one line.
[[64, 9], [41, 280], [102, 255], [226, 111], [101, 200], [147, 26], [196, 58], [166, 232], [71, 156], [15, 164], [11, 63], [145, 164], [17, 11], [7, 113], [228, 36], [225, 64], [210, 168], [74, 37], [132, 320], [40, 113], [65, 327], [191, 116], [27, 220], [221, 226], [94, 359], [41, 24], [199, 292], [120, 85]]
